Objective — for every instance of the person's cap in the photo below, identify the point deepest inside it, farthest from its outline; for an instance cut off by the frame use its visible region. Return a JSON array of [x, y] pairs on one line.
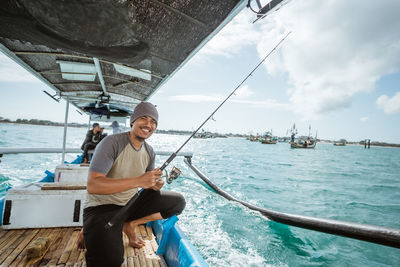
[[95, 124], [144, 109]]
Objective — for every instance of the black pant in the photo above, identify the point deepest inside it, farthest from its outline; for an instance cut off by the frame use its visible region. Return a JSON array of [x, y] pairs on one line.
[[104, 247], [86, 148]]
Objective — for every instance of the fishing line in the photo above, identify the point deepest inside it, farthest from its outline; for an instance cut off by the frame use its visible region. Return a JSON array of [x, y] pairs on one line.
[[119, 216]]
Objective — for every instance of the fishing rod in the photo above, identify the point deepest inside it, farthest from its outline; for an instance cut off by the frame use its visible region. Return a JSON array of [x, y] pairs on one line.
[[175, 171]]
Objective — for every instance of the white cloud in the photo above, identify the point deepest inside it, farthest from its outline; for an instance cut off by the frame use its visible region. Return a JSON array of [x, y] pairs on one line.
[[196, 98], [268, 103], [389, 105], [364, 119], [337, 49], [243, 92], [240, 32], [12, 72]]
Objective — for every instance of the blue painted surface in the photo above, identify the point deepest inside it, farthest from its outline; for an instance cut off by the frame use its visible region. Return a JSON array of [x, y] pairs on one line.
[[2, 200], [179, 252], [49, 177], [167, 225]]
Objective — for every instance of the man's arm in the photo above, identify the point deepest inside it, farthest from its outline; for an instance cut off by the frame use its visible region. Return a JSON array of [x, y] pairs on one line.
[[99, 184]]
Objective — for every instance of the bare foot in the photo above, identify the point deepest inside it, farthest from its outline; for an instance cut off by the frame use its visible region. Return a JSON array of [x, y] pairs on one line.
[[134, 241], [80, 242]]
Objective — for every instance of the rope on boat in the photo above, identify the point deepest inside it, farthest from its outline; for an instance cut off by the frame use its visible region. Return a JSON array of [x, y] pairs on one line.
[[375, 234]]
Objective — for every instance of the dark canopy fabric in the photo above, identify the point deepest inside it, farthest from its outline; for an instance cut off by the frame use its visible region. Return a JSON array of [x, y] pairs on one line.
[[139, 44]]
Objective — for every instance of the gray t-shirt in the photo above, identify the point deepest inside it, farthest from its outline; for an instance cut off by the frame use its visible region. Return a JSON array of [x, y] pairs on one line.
[[115, 157]]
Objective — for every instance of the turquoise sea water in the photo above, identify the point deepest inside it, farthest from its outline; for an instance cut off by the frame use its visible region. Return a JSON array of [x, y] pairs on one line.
[[345, 183]]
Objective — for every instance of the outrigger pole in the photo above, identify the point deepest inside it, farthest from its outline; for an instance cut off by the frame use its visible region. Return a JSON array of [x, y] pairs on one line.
[[121, 213]]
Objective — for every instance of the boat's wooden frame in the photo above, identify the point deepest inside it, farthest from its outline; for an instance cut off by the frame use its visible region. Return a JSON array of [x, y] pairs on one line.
[[296, 145], [62, 250]]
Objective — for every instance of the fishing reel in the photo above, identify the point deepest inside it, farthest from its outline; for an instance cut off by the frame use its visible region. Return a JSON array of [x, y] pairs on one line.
[[174, 174]]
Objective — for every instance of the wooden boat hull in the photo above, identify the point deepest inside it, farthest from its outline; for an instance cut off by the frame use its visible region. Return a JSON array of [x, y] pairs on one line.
[[268, 142], [295, 145]]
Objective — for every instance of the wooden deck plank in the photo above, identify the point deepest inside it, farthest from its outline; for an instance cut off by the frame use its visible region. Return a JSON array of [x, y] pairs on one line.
[[163, 263], [2, 233], [143, 257], [43, 233], [73, 258], [155, 261], [124, 264], [129, 251], [81, 257], [61, 245], [54, 239], [6, 238], [143, 232], [150, 232], [21, 259], [154, 245], [25, 239], [64, 186], [130, 262], [10, 244], [75, 253], [63, 252], [71, 245], [125, 241], [136, 260]]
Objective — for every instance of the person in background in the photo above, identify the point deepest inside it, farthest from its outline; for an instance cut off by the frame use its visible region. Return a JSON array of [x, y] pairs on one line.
[[103, 135], [93, 137], [115, 127]]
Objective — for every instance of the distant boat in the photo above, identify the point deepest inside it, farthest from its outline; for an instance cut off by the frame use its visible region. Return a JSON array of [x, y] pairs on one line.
[[341, 142], [267, 141], [304, 143], [253, 138], [268, 138]]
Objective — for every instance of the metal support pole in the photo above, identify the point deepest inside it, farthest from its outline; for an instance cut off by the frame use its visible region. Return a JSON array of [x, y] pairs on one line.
[[100, 75], [65, 130]]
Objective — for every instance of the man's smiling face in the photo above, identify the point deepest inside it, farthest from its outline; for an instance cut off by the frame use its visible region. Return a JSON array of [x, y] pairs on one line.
[[143, 127]]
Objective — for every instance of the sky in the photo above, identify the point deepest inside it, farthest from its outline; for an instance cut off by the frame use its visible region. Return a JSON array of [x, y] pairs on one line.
[[338, 71]]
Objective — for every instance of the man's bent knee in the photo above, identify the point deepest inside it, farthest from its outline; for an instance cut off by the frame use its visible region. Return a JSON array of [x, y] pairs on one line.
[[180, 205], [177, 206]]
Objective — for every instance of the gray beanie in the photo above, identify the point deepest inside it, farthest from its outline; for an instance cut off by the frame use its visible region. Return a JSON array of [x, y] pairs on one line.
[[144, 109]]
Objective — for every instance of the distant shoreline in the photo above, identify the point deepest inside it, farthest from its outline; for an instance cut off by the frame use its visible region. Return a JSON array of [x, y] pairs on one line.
[[373, 143], [177, 132], [81, 125]]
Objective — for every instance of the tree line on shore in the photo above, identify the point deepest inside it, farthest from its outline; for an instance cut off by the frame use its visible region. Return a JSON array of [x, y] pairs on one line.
[[41, 122], [74, 124], [176, 132]]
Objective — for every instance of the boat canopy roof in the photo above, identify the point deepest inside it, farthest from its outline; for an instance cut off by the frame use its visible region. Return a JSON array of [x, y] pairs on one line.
[[106, 56]]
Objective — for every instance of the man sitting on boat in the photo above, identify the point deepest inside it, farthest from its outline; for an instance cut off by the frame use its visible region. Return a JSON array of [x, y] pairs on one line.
[[93, 137], [121, 164]]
